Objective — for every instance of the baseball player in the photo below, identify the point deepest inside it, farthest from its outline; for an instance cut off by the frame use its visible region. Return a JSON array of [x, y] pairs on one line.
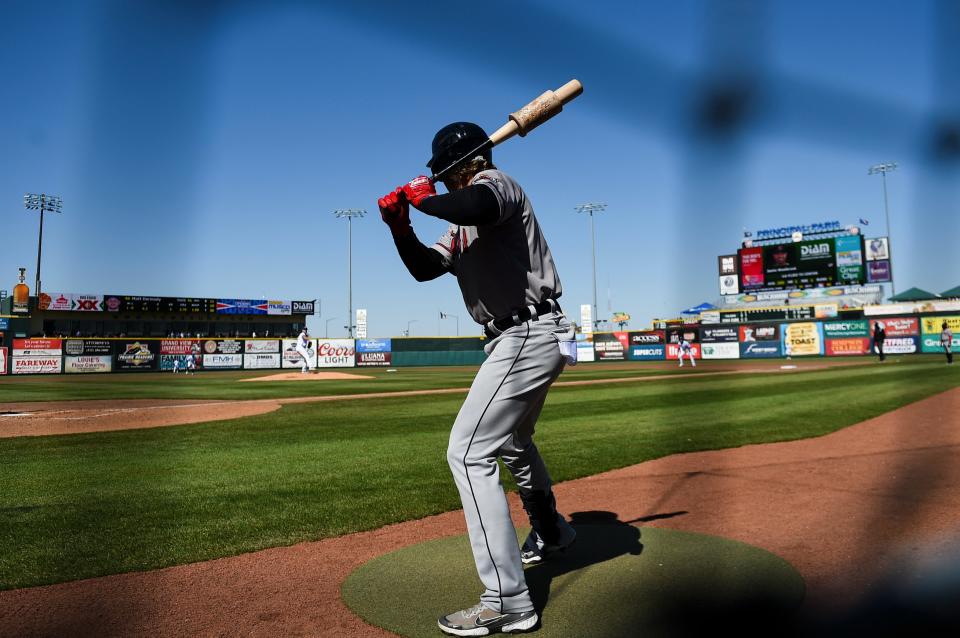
[[946, 340], [303, 349], [192, 359], [685, 349], [176, 365], [495, 248]]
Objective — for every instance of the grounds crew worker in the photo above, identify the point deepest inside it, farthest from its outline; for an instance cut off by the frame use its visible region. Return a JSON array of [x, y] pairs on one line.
[[496, 250]]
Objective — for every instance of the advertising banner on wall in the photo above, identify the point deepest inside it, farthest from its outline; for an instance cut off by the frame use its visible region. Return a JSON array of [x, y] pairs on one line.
[[293, 359], [173, 362], [88, 363], [3, 360], [898, 326], [302, 307], [585, 346], [261, 346], [586, 320], [802, 339], [931, 343], [729, 285], [751, 267], [176, 346], [848, 346], [728, 265], [68, 301], [374, 345], [949, 305], [719, 334], [221, 346], [336, 353], [878, 271], [361, 323], [677, 333], [647, 352], [36, 356], [673, 351], [931, 327], [721, 350], [901, 345], [223, 361], [759, 332], [37, 347], [242, 306], [136, 355], [850, 328], [878, 248], [760, 350], [260, 361], [371, 359], [279, 307], [86, 347], [645, 337], [36, 364], [610, 346], [850, 259]]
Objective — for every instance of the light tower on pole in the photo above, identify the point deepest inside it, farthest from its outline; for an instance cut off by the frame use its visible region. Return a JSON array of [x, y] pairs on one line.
[[349, 213], [591, 208], [883, 169], [43, 203]]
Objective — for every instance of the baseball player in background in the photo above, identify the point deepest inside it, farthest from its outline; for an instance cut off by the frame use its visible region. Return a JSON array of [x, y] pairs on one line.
[[946, 340], [495, 248], [684, 348], [303, 349]]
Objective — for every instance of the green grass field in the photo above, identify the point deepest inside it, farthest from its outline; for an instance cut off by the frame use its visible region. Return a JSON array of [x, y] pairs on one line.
[[92, 504], [223, 385]]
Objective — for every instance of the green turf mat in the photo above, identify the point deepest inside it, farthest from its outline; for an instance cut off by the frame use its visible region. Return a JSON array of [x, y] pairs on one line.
[[617, 580]]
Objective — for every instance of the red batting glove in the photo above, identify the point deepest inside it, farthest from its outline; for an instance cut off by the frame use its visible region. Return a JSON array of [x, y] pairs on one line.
[[395, 212], [418, 189]]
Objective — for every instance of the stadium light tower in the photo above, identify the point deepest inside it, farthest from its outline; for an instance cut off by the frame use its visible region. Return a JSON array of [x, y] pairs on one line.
[[326, 328], [883, 169], [349, 213], [591, 207], [43, 203], [447, 315]]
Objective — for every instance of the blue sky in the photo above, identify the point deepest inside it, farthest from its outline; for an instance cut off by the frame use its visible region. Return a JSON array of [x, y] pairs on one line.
[[201, 147]]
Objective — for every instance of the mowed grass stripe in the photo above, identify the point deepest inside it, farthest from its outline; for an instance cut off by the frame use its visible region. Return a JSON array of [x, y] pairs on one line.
[[227, 386], [94, 504]]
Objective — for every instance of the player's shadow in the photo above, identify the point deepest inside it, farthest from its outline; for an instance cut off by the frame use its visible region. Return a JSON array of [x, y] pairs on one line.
[[600, 537]]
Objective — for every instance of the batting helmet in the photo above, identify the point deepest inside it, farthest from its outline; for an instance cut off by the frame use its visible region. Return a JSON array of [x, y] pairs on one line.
[[454, 141]]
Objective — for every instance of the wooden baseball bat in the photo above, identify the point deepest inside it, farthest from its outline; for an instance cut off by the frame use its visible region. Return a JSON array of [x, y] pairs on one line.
[[522, 121]]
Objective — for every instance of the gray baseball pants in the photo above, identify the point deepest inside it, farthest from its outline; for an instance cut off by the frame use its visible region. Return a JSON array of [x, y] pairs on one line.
[[497, 421]]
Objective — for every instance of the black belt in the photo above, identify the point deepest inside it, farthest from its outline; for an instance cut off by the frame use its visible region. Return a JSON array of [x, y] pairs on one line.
[[523, 315]]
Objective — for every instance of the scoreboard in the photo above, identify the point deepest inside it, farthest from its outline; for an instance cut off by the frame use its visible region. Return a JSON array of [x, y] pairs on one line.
[[173, 305], [815, 263]]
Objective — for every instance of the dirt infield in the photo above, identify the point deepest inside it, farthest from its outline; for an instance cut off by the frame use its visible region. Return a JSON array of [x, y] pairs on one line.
[[845, 509], [310, 376]]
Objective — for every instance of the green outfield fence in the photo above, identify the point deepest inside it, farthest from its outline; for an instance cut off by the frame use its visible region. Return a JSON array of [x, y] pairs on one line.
[[914, 334]]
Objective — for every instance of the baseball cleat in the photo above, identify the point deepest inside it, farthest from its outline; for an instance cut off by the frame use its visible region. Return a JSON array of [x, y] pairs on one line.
[[480, 620], [534, 550]]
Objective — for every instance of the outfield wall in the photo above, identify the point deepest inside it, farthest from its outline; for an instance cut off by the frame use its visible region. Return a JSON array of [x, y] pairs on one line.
[[830, 338]]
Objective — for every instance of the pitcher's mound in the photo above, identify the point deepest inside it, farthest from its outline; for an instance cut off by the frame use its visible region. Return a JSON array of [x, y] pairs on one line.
[[312, 376]]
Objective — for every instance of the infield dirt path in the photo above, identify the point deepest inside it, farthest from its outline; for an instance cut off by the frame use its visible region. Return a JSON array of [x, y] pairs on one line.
[[843, 509]]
